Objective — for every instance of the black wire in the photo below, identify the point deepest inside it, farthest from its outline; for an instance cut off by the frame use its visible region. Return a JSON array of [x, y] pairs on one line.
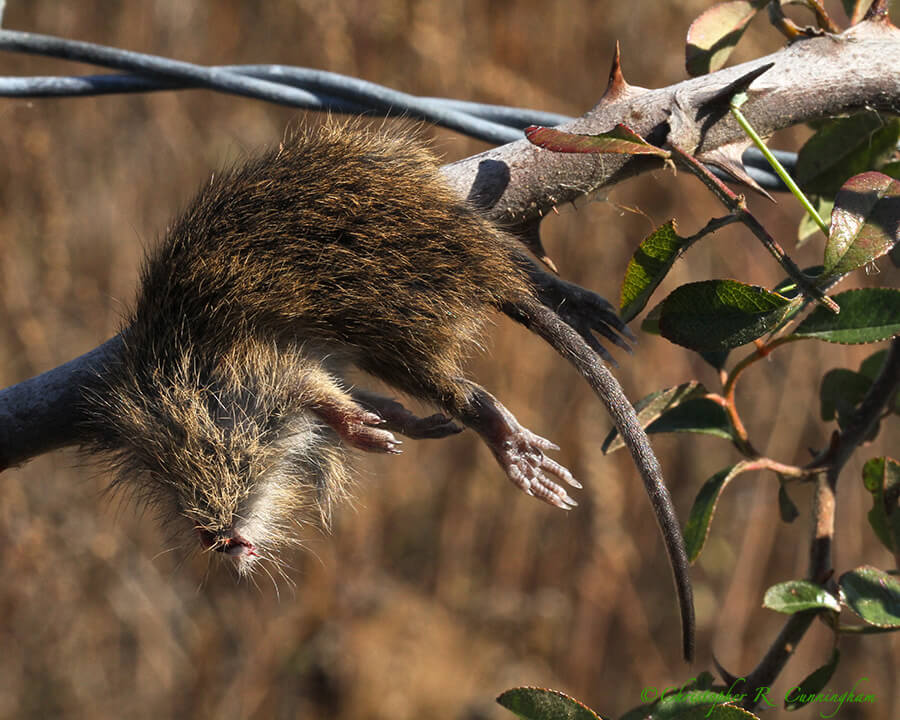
[[294, 86]]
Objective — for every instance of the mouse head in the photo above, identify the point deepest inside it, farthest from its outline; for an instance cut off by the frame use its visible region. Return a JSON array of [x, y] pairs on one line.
[[228, 452]]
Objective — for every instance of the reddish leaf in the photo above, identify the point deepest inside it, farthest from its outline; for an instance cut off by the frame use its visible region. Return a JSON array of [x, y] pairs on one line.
[[865, 222], [621, 139], [714, 34]]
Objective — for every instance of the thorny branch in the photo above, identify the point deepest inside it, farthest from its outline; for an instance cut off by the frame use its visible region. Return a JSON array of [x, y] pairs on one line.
[[807, 80], [518, 183], [824, 469], [830, 463]]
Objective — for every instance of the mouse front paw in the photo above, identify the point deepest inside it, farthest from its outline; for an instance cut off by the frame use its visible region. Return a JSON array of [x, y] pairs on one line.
[[358, 427], [397, 418]]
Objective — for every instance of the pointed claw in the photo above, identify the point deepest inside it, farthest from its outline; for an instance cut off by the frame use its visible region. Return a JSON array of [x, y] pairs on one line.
[[566, 498], [542, 444], [561, 472], [599, 349], [372, 439], [607, 332], [625, 330], [560, 499]]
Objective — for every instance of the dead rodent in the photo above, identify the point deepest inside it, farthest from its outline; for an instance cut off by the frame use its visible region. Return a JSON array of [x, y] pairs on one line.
[[227, 405]]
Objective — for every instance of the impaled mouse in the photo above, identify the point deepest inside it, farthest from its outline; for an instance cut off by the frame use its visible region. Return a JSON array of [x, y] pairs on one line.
[[227, 406]]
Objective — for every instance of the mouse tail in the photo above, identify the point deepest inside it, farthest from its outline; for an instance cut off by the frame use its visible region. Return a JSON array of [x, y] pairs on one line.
[[546, 323]]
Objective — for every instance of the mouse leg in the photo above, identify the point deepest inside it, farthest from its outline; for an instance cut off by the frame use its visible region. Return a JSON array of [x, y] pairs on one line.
[[585, 311], [356, 425], [520, 452], [399, 419]]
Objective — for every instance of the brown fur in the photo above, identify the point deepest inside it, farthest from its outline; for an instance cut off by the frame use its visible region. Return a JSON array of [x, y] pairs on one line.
[[226, 405], [340, 246], [339, 236]]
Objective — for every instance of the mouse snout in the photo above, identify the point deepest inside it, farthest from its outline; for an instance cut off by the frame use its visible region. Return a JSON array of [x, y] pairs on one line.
[[228, 541]]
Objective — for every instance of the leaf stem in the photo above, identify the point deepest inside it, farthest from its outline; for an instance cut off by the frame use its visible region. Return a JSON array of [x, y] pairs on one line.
[[728, 402], [736, 102], [736, 204], [753, 357]]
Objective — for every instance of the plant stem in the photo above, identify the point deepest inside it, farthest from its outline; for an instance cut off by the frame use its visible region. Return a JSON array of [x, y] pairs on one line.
[[753, 357], [829, 466], [736, 204], [736, 103]]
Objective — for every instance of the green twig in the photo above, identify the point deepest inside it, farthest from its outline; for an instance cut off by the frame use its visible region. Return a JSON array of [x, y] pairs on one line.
[[736, 102]]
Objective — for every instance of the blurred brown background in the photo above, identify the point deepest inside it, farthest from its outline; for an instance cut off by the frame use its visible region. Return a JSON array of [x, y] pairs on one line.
[[443, 585]]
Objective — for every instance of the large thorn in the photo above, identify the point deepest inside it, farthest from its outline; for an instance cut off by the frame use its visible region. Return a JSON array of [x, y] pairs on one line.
[[616, 86], [730, 159]]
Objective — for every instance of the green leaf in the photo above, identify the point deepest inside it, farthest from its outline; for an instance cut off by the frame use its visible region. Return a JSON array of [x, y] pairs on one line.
[[873, 595], [649, 265], [716, 358], [714, 34], [651, 321], [865, 222], [795, 596], [809, 227], [532, 703], [786, 507], [696, 530], [677, 409], [843, 148], [701, 415], [652, 406], [867, 315], [703, 681], [865, 630], [719, 712], [891, 169], [841, 391], [620, 140], [720, 314], [641, 712], [700, 705], [813, 683], [881, 477]]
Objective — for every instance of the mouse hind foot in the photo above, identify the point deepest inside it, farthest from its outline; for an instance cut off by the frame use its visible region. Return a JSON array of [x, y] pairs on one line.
[[521, 453]]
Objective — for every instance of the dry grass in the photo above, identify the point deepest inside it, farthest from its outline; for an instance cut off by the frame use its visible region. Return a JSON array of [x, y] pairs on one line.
[[443, 586]]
